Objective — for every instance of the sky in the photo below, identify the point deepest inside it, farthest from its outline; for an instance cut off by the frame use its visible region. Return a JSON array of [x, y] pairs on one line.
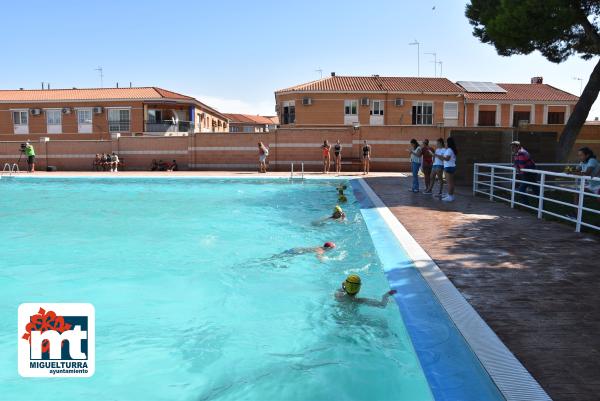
[[233, 55]]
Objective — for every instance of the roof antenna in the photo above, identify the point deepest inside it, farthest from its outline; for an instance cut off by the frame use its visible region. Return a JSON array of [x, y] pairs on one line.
[[101, 71], [320, 71]]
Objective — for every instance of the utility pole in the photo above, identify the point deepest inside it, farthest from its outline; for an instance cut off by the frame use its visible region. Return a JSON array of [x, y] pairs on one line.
[[101, 71], [435, 63], [415, 42]]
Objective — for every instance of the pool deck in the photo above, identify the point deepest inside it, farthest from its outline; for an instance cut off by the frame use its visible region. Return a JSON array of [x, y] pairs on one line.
[[536, 283]]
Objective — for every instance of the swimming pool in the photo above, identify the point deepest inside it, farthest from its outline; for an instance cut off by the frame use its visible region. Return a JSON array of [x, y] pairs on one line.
[[193, 302]]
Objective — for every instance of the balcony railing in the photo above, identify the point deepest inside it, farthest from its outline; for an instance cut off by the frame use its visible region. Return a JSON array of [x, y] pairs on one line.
[[169, 126], [119, 126]]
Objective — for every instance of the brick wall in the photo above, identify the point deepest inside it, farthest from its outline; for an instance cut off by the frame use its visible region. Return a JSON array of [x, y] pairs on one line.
[[222, 151]]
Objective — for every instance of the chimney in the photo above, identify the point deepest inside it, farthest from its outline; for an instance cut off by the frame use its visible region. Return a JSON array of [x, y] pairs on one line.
[[130, 84], [47, 85], [117, 84], [333, 74], [42, 86], [20, 89], [537, 80]]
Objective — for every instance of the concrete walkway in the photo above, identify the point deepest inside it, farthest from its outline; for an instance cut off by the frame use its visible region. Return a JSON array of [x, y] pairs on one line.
[[536, 283]]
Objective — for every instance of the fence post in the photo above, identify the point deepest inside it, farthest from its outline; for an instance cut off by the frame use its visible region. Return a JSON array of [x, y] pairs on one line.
[[541, 195], [580, 205], [492, 183], [475, 177], [512, 187]]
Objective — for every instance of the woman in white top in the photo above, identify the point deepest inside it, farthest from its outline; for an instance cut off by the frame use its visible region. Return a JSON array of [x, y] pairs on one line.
[[437, 170], [449, 159], [415, 162], [263, 152]]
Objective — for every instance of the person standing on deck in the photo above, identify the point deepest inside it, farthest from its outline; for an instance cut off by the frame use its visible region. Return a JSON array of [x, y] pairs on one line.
[[415, 153], [326, 148], [337, 154], [366, 157], [427, 162], [30, 153], [263, 152]]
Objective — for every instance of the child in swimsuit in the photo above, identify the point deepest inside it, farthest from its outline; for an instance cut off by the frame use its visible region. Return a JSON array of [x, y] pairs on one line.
[[326, 156], [337, 151]]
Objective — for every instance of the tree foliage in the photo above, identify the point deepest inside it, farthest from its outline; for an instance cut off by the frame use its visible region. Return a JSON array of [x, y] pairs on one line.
[[557, 29]]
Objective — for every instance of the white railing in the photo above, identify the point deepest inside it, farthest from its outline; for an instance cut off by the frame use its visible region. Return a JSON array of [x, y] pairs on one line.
[[551, 191]]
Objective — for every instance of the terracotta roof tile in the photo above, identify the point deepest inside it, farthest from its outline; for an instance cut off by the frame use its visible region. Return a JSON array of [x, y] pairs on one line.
[[535, 92], [376, 84], [39, 95], [247, 118]]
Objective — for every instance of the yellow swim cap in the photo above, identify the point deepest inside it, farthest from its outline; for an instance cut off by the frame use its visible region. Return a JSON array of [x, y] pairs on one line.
[[338, 209], [352, 284]]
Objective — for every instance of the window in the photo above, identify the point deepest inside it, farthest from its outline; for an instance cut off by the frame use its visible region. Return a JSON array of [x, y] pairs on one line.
[[556, 117], [84, 116], [248, 129], [234, 129], [84, 121], [377, 108], [422, 113], [350, 107], [487, 118], [118, 120], [20, 117], [451, 110], [289, 112], [154, 116], [520, 116], [53, 117]]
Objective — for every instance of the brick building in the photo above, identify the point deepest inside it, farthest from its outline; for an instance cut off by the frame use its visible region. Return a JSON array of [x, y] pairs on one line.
[[98, 113], [249, 123], [406, 101]]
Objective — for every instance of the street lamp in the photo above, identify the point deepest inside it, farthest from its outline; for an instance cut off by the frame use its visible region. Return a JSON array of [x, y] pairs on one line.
[[45, 140], [418, 55]]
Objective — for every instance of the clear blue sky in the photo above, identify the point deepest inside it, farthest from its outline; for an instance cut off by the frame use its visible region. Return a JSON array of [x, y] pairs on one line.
[[234, 54]]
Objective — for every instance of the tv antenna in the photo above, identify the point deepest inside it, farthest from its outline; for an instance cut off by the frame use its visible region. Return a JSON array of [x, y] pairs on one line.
[[320, 71], [435, 63], [101, 72]]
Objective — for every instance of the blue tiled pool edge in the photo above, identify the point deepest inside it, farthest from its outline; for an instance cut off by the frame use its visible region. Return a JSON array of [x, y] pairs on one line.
[[425, 294]]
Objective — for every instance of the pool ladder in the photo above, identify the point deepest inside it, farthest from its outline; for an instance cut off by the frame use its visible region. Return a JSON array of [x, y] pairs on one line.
[[301, 172], [10, 169]]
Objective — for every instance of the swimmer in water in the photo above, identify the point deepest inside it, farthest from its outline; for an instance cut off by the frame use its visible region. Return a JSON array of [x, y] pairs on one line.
[[338, 214], [319, 251], [351, 287]]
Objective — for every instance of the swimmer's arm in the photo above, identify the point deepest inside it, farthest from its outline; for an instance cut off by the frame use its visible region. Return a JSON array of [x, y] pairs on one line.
[[373, 302]]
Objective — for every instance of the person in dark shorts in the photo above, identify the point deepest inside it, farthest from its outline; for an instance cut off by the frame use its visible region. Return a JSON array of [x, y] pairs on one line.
[[366, 157], [30, 153], [337, 155]]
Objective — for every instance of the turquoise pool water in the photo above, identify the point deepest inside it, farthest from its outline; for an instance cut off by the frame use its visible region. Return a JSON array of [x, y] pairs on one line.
[[190, 304]]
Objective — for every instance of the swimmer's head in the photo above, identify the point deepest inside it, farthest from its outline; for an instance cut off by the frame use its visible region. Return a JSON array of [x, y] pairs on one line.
[[338, 213], [342, 198], [351, 285], [329, 245]]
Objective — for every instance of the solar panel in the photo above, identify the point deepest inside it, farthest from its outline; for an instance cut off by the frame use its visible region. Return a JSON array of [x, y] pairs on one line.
[[475, 86]]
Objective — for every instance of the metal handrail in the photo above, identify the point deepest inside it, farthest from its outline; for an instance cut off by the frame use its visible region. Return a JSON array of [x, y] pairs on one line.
[[498, 179]]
